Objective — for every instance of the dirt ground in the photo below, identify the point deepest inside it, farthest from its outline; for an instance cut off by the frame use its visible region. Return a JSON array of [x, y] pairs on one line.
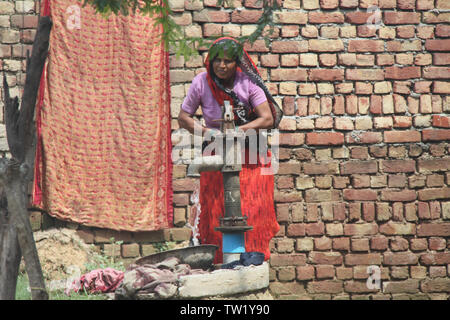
[[61, 252]]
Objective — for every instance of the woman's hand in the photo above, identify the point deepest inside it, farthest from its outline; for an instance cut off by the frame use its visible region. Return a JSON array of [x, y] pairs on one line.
[[187, 121], [264, 118]]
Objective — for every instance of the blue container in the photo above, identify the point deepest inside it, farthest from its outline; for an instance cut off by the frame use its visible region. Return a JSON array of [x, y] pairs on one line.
[[233, 242]]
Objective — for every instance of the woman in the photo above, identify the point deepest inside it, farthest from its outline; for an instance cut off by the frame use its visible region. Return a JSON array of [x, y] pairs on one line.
[[231, 75]]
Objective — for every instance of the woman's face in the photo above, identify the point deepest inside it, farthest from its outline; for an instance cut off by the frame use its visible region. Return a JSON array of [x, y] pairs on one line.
[[224, 67]]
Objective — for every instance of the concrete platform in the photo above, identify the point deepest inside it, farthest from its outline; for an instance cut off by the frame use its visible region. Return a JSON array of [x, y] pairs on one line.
[[225, 282]]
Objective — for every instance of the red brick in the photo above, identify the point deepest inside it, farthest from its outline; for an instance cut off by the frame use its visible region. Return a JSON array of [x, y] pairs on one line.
[[210, 30], [360, 244], [435, 285], [365, 137], [402, 136], [341, 244], [400, 258], [284, 182], [130, 250], [321, 45], [305, 273], [402, 73], [326, 74], [312, 168], [435, 135], [105, 235], [325, 17], [403, 196], [270, 60], [358, 287], [296, 230], [436, 72], [437, 244], [282, 211], [434, 194], [399, 244], [360, 194], [207, 15], [406, 4], [315, 195], [257, 46], [290, 31], [438, 258], [289, 46], [325, 272], [352, 167], [329, 258], [441, 58], [325, 286], [406, 286], [368, 211], [281, 260], [365, 74], [252, 4], [288, 75], [419, 244], [433, 229], [324, 138], [288, 17], [339, 211], [290, 167], [363, 259], [360, 229], [187, 184], [86, 235], [392, 17], [379, 243], [365, 46], [26, 21], [437, 45], [348, 3], [292, 139], [357, 17], [442, 30], [315, 229], [287, 196], [441, 87], [246, 16], [329, 4], [433, 165], [425, 4]]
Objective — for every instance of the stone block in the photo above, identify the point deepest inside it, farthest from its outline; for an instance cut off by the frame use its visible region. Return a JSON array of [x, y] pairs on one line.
[[225, 282]]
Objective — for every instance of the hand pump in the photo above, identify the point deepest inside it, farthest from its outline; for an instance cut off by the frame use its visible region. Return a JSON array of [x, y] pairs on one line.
[[233, 224]]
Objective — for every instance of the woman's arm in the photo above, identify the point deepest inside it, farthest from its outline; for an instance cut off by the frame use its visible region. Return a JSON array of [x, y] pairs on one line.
[[187, 121], [264, 118]]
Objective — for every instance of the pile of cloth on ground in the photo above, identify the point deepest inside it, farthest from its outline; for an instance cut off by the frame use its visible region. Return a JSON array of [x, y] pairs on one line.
[[156, 281], [245, 259]]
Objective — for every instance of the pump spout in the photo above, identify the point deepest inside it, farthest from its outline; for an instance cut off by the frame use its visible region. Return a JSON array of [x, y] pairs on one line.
[[201, 164]]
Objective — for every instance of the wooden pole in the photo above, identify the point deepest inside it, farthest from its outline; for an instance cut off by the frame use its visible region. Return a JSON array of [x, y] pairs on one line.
[[16, 173]]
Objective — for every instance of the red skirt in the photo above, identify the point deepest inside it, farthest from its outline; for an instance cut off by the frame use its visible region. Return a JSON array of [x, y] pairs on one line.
[[257, 192]]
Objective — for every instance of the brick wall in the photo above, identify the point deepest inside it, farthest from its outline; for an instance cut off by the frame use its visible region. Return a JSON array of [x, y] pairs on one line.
[[364, 148]]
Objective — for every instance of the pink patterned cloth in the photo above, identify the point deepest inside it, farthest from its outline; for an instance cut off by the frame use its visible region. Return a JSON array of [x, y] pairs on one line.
[[98, 280]]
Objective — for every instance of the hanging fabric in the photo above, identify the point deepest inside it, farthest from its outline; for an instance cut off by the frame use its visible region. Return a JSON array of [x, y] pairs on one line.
[[103, 121]]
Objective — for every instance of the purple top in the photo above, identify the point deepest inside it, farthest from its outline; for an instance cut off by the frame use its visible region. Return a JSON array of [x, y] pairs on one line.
[[200, 94]]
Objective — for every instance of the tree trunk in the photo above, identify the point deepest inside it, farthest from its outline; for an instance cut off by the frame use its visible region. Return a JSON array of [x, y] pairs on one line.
[[10, 253], [16, 173]]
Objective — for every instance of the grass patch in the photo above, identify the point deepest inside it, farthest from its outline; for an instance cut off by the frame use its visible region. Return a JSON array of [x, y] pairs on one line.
[[23, 293]]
